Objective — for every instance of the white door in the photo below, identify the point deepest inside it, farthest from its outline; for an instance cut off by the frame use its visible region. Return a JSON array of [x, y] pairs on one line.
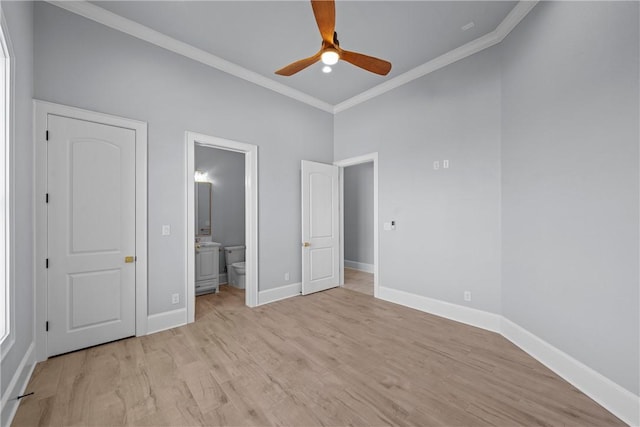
[[91, 233], [320, 227]]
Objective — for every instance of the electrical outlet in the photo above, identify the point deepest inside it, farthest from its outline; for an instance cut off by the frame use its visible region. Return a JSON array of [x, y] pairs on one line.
[[286, 276], [436, 165], [467, 295], [445, 164], [175, 298], [166, 230]]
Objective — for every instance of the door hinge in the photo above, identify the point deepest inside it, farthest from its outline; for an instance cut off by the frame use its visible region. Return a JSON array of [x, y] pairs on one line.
[[46, 198], [47, 135], [47, 326], [47, 263]]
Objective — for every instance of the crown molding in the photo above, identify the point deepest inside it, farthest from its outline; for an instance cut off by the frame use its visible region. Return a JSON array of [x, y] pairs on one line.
[[494, 37], [142, 32]]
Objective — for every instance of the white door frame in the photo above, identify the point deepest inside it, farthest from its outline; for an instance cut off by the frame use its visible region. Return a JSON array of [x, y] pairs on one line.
[[366, 158], [41, 110], [250, 152]]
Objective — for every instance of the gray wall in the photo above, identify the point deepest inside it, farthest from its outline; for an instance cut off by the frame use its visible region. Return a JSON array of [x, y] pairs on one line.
[[542, 134], [84, 64], [358, 213], [226, 172], [570, 182], [448, 221], [19, 18]]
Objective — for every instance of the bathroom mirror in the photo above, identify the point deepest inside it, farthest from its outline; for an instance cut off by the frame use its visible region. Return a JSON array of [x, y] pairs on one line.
[[203, 208]]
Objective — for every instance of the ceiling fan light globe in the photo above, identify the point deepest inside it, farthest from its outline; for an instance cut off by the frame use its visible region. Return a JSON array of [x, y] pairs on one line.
[[330, 57]]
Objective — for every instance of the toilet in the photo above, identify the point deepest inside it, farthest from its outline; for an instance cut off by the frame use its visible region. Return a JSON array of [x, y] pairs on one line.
[[234, 258]]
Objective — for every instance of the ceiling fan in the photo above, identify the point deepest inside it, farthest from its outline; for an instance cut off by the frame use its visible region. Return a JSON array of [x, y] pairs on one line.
[[331, 52]]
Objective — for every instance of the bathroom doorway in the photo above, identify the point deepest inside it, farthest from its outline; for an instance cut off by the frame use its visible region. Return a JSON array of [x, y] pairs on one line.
[[219, 218], [359, 223], [227, 173]]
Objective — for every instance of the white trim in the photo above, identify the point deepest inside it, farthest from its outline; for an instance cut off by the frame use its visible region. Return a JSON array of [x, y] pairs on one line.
[[365, 158], [167, 320], [360, 266], [279, 293], [41, 110], [127, 26], [142, 32], [616, 399], [494, 37], [250, 152], [467, 315], [17, 386]]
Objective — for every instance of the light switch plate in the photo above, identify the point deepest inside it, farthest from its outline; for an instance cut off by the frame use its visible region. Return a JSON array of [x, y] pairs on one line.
[[166, 230]]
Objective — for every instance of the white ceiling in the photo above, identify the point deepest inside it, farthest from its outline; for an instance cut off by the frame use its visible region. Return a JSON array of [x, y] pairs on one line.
[[263, 36]]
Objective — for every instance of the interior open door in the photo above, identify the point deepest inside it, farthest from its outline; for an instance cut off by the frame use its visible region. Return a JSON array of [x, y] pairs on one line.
[[320, 227]]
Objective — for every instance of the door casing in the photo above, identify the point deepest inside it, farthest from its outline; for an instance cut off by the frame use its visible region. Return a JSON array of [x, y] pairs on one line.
[[250, 152], [41, 111], [366, 158]]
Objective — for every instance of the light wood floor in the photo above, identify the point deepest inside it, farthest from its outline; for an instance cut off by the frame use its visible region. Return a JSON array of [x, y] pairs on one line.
[[358, 281], [333, 358]]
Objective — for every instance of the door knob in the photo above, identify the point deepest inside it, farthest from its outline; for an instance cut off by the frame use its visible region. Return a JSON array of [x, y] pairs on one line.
[[306, 244]]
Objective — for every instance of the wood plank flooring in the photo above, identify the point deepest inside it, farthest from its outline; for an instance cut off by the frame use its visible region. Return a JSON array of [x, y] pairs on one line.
[[333, 358], [358, 281]]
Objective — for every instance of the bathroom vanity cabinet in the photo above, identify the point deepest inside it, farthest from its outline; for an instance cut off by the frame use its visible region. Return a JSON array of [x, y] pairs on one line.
[[207, 267]]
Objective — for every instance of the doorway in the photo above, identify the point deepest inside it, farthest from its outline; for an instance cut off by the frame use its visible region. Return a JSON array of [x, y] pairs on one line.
[[358, 228], [220, 222], [359, 233], [250, 154]]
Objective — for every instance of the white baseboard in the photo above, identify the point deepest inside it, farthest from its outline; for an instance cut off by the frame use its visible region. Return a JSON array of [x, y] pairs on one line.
[[167, 320], [616, 399], [17, 386], [613, 397], [279, 293], [368, 268], [459, 313]]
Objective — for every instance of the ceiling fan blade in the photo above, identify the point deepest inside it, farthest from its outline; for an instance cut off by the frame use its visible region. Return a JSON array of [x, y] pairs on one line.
[[369, 63], [325, 13], [300, 65]]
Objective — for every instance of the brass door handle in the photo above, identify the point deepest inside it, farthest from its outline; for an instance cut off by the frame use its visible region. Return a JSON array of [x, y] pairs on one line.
[[198, 246], [129, 259], [306, 244]]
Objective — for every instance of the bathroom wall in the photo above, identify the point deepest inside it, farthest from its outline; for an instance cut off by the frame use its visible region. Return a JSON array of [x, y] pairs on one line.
[[225, 170], [82, 63], [358, 216]]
